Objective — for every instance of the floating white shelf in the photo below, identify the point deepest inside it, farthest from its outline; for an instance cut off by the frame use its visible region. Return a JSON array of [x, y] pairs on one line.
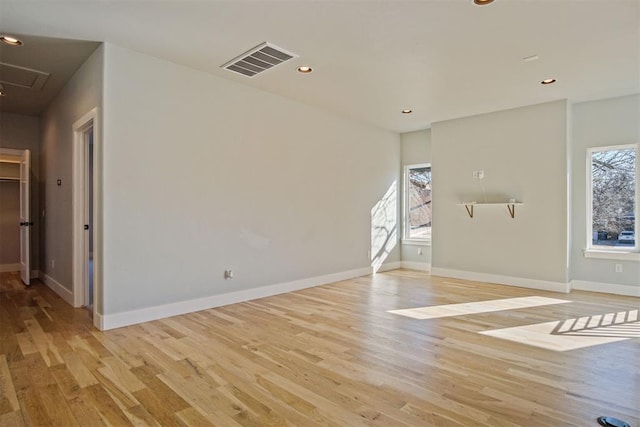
[[511, 206]]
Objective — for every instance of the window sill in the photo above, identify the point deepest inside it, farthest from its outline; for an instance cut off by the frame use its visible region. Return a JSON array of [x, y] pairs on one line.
[[617, 255], [417, 242]]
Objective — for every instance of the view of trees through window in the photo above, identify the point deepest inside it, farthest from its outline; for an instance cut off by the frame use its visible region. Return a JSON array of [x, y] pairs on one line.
[[419, 202], [613, 177]]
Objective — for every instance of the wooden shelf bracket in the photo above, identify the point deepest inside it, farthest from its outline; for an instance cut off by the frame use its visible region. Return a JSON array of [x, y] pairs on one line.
[[469, 209]]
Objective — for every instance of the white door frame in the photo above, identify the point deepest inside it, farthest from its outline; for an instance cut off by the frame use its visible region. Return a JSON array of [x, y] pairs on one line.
[[80, 192]]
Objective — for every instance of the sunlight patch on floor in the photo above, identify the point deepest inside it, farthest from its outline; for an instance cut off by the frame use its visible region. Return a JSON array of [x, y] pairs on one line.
[[438, 311], [547, 335]]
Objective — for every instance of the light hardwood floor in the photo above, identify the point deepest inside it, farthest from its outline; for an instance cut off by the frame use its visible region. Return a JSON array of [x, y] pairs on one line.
[[330, 355]]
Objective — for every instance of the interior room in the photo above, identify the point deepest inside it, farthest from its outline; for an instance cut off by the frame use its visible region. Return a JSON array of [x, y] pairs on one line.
[[320, 213]]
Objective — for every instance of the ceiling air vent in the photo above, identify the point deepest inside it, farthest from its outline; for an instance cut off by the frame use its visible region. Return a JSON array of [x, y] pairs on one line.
[[258, 60]]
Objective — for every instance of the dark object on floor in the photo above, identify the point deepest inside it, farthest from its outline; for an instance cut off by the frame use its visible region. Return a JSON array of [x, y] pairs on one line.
[[612, 422]]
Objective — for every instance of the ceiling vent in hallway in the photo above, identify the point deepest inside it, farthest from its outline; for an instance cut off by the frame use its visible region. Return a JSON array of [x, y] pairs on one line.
[[24, 77], [258, 60]]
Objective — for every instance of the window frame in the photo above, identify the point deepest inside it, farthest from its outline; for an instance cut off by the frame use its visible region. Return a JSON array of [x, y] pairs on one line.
[[613, 252], [421, 241]]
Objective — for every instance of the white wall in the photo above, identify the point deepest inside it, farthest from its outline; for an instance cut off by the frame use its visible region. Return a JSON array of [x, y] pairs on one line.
[[523, 155], [201, 175], [596, 124], [21, 132], [415, 149], [82, 93]]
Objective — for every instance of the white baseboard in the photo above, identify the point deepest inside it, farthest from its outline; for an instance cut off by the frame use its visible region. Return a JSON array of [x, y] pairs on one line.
[[117, 320], [388, 266], [608, 288], [5, 268], [98, 320], [56, 287], [503, 280], [414, 265]]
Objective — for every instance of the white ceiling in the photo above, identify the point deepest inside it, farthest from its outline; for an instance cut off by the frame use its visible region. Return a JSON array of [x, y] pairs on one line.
[[441, 58]]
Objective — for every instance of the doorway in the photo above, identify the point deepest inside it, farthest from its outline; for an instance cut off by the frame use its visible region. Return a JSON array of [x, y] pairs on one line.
[[84, 209], [15, 214]]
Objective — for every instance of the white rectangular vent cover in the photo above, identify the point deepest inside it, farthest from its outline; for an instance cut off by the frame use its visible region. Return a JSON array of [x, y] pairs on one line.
[[258, 60]]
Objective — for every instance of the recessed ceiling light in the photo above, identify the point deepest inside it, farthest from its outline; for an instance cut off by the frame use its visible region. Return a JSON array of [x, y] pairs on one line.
[[407, 111], [11, 41], [482, 2], [305, 70], [548, 81]]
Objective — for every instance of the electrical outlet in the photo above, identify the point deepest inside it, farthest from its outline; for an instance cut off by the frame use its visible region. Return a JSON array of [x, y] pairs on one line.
[[480, 174], [228, 274], [419, 251], [618, 268], [53, 263]]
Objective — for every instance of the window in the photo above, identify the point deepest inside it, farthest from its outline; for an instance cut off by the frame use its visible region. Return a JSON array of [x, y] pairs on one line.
[[417, 202], [612, 198]]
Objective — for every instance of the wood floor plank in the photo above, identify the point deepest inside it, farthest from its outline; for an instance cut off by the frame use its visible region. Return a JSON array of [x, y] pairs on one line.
[[190, 417], [331, 355], [56, 406], [12, 419], [31, 407], [25, 341], [119, 373], [49, 353], [85, 412], [7, 389], [105, 405], [165, 415], [204, 398], [77, 368], [171, 401], [65, 381]]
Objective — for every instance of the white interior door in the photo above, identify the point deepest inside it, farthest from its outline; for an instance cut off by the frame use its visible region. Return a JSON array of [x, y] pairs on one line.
[[25, 218]]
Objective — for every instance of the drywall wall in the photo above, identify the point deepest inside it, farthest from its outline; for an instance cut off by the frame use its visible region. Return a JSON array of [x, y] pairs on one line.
[[21, 132], [81, 94], [523, 155], [201, 175], [415, 149], [596, 124]]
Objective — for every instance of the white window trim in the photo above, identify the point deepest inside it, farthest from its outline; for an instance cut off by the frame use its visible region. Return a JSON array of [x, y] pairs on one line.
[[603, 252], [418, 241], [617, 255]]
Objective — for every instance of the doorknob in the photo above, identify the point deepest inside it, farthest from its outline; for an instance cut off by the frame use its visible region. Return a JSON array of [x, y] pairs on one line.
[[86, 226]]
